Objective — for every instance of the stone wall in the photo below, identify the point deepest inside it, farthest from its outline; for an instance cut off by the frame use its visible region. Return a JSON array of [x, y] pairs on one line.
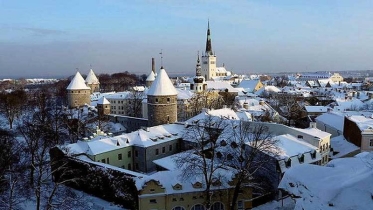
[[77, 98], [162, 110]]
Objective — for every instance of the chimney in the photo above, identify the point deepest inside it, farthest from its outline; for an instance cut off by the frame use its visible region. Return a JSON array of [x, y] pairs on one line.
[[246, 105], [153, 65]]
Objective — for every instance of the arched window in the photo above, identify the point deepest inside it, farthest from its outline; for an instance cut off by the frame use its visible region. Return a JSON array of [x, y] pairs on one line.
[[178, 208], [217, 206], [198, 207]]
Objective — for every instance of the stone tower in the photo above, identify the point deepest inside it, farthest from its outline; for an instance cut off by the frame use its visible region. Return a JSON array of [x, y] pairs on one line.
[[92, 82], [151, 77], [208, 58], [78, 93], [103, 107], [198, 85], [162, 100]]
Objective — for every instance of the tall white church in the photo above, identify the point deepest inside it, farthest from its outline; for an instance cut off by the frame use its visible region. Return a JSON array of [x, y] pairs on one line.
[[209, 69]]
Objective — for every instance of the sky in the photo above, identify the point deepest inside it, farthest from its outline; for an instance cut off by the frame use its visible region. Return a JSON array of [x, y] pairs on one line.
[[43, 38]]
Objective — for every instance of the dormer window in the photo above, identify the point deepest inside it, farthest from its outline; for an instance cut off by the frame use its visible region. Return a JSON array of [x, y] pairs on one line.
[[288, 163]]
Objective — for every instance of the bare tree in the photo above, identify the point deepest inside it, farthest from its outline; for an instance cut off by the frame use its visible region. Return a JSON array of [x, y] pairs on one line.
[[205, 99], [134, 104], [199, 159], [11, 172], [249, 149], [11, 104]]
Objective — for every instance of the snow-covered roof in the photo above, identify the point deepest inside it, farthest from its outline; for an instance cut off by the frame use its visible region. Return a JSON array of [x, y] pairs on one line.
[[91, 78], [168, 179], [220, 85], [344, 183], [249, 85], [142, 138], [314, 132], [184, 94], [292, 146], [364, 123], [342, 146], [103, 100], [78, 83], [151, 77], [225, 113], [162, 85], [320, 109], [332, 119]]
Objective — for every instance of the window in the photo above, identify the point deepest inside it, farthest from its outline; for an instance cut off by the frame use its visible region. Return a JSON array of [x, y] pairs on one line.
[[156, 100], [156, 151], [217, 206], [129, 154], [170, 147], [198, 207], [240, 205], [137, 166], [153, 201], [136, 153], [173, 200], [103, 160], [371, 142], [152, 190], [168, 100], [163, 149], [108, 160], [119, 156], [129, 166]]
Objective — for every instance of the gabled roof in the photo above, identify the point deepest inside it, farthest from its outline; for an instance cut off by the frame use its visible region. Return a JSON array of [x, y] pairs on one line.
[[78, 83], [103, 100], [162, 85], [91, 78]]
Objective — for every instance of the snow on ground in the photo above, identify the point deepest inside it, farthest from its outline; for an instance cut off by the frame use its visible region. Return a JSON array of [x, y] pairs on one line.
[[286, 204], [87, 202], [343, 184]]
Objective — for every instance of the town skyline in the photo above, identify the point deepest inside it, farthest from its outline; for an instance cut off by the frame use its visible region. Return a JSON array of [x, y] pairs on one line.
[[48, 39]]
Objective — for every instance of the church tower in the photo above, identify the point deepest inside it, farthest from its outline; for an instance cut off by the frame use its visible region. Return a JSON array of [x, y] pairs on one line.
[[78, 93], [208, 58], [92, 82], [199, 83], [162, 100]]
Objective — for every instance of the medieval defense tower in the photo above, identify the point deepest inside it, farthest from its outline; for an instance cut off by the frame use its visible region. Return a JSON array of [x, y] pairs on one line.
[[92, 82], [78, 93], [208, 58], [162, 100]]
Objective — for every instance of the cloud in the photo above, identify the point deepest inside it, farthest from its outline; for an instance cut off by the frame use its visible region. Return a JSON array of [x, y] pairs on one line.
[[36, 31]]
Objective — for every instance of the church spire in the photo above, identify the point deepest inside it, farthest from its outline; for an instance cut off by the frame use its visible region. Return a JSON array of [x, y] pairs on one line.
[[208, 41], [198, 66]]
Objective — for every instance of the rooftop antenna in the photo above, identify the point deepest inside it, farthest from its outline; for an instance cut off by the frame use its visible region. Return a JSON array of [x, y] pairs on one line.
[[161, 53]]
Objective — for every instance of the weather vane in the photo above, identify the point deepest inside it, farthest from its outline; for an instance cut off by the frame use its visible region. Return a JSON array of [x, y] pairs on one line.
[[161, 53]]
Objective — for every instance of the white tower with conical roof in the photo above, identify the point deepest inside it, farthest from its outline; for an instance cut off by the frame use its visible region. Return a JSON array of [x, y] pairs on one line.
[[92, 81], [162, 100], [103, 106], [78, 93]]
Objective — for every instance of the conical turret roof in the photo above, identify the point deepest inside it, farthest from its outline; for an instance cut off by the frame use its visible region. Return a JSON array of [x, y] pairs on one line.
[[78, 83], [103, 100], [91, 78], [162, 85], [151, 77]]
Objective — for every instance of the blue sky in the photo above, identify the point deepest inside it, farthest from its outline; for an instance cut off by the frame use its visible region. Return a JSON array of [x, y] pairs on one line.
[[53, 38]]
